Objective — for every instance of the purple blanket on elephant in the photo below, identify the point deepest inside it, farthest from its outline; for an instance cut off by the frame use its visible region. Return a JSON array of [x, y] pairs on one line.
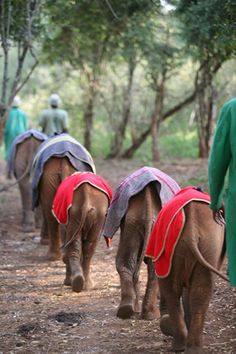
[[19, 139], [62, 145], [131, 185]]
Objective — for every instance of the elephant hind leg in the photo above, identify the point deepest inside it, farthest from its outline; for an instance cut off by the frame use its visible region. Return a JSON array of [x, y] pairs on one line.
[[89, 245], [67, 280], [127, 260], [72, 260], [150, 309], [54, 252], [74, 276], [174, 319], [179, 327], [128, 303], [44, 239], [199, 299]]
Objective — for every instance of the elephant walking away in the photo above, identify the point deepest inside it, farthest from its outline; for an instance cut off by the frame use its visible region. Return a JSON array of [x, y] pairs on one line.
[[58, 157], [20, 161], [81, 204], [188, 248], [134, 208]]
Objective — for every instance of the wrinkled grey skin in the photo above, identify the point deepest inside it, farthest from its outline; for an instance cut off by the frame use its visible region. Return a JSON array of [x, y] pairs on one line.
[[24, 156], [136, 227], [86, 218], [191, 279]]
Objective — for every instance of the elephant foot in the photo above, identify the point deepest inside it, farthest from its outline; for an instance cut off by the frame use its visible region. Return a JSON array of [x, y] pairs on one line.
[[166, 325], [125, 310], [179, 345], [150, 314], [77, 282], [53, 256], [28, 228], [67, 281]]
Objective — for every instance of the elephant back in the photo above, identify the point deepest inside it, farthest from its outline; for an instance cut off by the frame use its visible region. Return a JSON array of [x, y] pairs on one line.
[[60, 146]]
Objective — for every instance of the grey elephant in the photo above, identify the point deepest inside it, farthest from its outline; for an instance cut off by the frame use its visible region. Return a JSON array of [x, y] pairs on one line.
[[135, 205], [57, 158], [81, 204], [20, 161], [188, 249]]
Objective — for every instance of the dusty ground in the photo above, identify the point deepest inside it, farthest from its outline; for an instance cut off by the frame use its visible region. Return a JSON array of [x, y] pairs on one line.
[[40, 315]]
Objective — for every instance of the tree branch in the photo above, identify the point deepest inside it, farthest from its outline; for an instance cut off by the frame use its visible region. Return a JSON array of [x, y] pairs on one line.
[[140, 140], [111, 9]]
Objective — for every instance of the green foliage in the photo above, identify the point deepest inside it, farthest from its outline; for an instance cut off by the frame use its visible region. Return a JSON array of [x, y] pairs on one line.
[[179, 145], [101, 140], [16, 22], [82, 30], [206, 30], [80, 35]]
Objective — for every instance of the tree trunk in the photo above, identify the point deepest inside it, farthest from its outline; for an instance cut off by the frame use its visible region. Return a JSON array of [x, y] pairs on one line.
[[129, 153], [29, 12], [88, 117], [116, 148], [205, 120], [5, 29], [205, 115], [157, 118]]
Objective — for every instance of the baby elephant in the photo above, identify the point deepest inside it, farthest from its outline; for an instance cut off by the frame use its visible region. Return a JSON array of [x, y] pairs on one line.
[[187, 246], [136, 203], [81, 204], [19, 163]]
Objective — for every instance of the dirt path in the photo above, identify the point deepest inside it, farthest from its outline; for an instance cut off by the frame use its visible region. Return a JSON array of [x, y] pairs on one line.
[[40, 315]]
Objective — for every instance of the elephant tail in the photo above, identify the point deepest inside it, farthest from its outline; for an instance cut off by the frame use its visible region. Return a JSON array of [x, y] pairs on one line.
[[82, 218], [148, 228], [27, 170], [205, 263], [6, 188]]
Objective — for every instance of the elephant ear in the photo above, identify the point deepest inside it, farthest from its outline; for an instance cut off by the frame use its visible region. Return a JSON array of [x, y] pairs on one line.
[[108, 241]]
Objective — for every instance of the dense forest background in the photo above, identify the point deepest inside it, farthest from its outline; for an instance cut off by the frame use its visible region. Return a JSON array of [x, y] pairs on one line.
[[139, 78]]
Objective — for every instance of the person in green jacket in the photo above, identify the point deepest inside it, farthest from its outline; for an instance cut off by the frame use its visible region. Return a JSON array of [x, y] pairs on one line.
[[16, 123], [54, 120], [222, 162]]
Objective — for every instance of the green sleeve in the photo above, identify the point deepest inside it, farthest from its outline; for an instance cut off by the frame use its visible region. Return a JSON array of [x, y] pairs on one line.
[[219, 160]]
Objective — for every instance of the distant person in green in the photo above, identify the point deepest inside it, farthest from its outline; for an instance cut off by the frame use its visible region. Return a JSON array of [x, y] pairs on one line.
[[16, 123], [54, 120], [222, 160]]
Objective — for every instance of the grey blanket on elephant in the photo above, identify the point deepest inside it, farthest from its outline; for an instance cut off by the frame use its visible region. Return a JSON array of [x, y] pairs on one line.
[[62, 145], [18, 140], [132, 185]]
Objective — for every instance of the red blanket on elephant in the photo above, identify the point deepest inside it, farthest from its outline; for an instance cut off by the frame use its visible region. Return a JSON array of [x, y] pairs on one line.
[[64, 195], [168, 228]]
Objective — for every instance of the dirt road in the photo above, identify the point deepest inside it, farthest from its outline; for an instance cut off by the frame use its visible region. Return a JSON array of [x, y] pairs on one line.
[[39, 315]]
